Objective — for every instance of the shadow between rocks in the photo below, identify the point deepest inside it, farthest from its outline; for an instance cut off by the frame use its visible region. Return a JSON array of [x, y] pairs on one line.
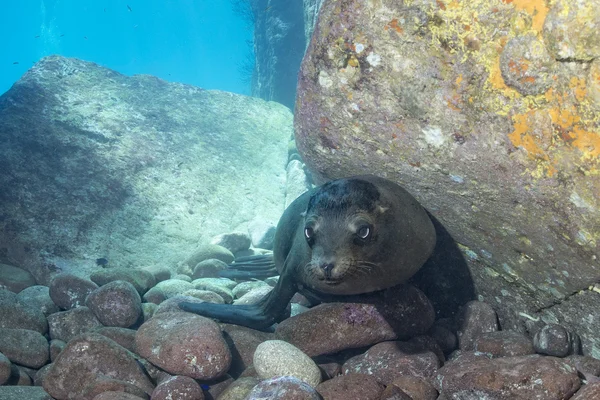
[[445, 278]]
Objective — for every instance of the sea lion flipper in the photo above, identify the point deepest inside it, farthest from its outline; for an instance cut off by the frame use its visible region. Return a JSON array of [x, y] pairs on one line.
[[256, 316]]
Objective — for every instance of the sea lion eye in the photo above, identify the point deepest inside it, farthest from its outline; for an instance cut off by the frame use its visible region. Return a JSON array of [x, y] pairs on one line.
[[309, 233], [364, 232]]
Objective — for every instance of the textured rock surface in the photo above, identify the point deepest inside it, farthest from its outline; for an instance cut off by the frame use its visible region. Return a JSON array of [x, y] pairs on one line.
[[16, 314], [69, 291], [389, 360], [117, 303], [23, 392], [487, 112], [14, 279], [274, 358], [283, 388], [178, 387], [66, 325], [397, 313], [87, 363], [38, 297], [24, 347], [351, 386], [127, 167], [242, 343], [184, 344], [526, 377]]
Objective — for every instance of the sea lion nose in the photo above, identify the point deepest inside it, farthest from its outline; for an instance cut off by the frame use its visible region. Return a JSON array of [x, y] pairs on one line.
[[327, 268]]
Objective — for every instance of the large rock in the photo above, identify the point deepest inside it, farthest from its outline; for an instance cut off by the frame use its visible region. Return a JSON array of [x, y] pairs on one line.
[[87, 363], [487, 112], [97, 164]]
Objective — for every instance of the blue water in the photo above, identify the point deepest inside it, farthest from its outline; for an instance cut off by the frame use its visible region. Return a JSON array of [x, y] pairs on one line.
[[199, 42]]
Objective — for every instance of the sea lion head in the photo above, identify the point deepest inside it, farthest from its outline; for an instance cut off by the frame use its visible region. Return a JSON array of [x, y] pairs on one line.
[[357, 233]]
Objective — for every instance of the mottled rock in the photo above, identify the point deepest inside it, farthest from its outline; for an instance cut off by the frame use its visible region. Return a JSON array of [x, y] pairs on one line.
[[254, 296], [184, 344], [154, 296], [56, 346], [182, 277], [444, 338], [178, 387], [87, 363], [239, 389], [123, 336], [586, 364], [112, 395], [222, 286], [394, 393], [148, 310], [117, 303], [571, 30], [217, 386], [103, 384], [172, 305], [274, 358], [389, 360], [141, 279], [504, 344], [591, 391], [523, 377], [66, 325], [160, 272], [208, 251], [171, 287], [556, 340], [242, 342], [40, 375], [38, 297], [351, 386], [69, 291], [5, 368], [400, 312], [244, 287], [208, 268], [204, 295], [15, 314], [415, 387], [475, 319], [262, 233], [234, 241], [14, 278], [439, 101], [283, 388], [24, 347], [23, 392]]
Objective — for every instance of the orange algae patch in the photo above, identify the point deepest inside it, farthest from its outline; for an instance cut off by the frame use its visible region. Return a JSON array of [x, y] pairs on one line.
[[521, 137], [578, 86], [567, 121], [536, 8], [394, 25]]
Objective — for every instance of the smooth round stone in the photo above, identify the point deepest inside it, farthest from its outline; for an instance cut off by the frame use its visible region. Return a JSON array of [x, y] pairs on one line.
[[278, 358]]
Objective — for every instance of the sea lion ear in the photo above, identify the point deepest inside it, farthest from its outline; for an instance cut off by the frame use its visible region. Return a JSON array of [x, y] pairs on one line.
[[381, 209]]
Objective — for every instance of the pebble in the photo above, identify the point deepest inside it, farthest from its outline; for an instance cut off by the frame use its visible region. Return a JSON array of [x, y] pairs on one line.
[[283, 388], [5, 368], [141, 280], [65, 325], [38, 297], [555, 340], [160, 272], [208, 251], [204, 295], [179, 388], [70, 291], [239, 389], [172, 287], [351, 386], [117, 303], [274, 358], [14, 278], [389, 360], [415, 387], [222, 286], [254, 296], [184, 344], [208, 268], [475, 318], [244, 287], [14, 314], [242, 342], [504, 344], [234, 241], [520, 377], [25, 347], [87, 362]]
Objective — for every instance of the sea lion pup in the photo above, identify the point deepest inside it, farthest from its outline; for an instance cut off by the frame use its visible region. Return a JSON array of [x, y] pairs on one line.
[[350, 236]]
